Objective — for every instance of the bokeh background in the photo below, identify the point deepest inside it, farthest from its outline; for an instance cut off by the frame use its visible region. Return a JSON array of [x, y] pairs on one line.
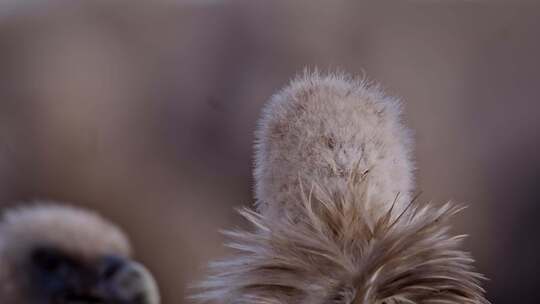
[[145, 111]]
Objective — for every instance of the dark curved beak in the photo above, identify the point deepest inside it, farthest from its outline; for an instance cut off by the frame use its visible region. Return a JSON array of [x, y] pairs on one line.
[[123, 281]]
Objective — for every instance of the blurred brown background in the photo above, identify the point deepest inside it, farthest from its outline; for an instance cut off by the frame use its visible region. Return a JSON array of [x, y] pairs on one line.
[[145, 110]]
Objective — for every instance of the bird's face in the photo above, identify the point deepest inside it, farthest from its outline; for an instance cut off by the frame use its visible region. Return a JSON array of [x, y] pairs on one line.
[[56, 277], [51, 254]]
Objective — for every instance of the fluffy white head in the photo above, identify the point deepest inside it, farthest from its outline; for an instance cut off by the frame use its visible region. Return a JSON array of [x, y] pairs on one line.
[[323, 129]]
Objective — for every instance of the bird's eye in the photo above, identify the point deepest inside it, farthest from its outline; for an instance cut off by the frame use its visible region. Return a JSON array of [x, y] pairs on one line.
[[53, 272], [48, 260]]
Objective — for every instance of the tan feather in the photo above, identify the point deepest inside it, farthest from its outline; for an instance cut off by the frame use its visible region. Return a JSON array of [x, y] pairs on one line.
[[334, 256]]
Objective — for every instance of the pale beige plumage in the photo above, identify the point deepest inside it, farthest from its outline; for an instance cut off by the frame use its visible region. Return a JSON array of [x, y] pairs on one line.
[[322, 129], [334, 221]]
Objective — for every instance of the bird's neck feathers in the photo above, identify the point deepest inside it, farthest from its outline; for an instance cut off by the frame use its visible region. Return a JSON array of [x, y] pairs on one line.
[[334, 252]]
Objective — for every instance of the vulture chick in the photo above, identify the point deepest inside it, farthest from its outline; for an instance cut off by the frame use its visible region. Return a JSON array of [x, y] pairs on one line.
[[53, 254], [335, 222]]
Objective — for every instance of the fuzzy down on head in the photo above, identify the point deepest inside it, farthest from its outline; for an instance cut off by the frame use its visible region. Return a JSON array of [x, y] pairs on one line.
[[334, 219]]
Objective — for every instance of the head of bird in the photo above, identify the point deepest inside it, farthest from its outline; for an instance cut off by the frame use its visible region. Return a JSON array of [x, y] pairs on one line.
[[53, 254]]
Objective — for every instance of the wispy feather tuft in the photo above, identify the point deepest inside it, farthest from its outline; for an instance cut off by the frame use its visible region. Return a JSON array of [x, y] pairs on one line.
[[335, 256]]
